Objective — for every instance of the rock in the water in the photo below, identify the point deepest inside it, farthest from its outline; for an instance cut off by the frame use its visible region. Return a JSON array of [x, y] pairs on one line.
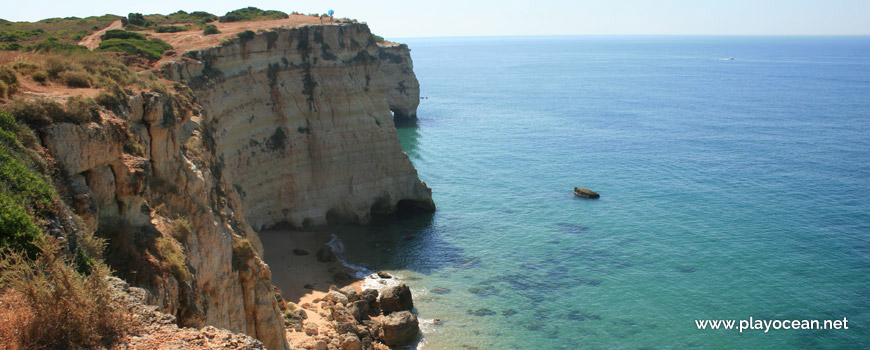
[[396, 298], [440, 290], [325, 254], [300, 252], [585, 193], [383, 274], [398, 328]]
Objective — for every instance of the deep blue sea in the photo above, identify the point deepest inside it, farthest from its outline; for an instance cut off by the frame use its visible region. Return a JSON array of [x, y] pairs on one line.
[[729, 189]]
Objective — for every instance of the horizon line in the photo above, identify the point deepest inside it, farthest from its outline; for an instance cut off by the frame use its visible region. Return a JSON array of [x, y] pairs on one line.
[[635, 34]]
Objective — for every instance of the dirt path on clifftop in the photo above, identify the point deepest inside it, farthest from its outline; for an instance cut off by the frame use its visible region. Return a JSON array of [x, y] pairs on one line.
[[93, 40]]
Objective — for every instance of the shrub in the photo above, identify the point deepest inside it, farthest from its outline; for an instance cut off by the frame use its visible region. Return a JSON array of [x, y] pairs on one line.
[[243, 252], [41, 112], [193, 17], [210, 29], [75, 79], [174, 257], [252, 13], [113, 98], [171, 29], [9, 78], [378, 38], [60, 308], [24, 67], [132, 145], [181, 229], [152, 49], [52, 44], [246, 35], [4, 90], [81, 110], [121, 34], [40, 76]]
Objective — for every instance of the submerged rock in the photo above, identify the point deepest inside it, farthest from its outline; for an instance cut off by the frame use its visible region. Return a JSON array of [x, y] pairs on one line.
[[585, 193]]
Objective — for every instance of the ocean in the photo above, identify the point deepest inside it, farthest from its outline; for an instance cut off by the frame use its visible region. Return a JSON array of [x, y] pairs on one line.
[[729, 189]]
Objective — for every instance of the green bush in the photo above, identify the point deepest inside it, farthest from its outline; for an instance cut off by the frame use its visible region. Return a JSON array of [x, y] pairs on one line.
[[378, 38], [24, 191], [210, 29], [40, 76], [17, 229], [171, 29], [10, 79], [4, 90], [193, 17], [52, 44], [25, 67], [251, 13], [75, 79], [121, 34], [246, 35], [152, 49]]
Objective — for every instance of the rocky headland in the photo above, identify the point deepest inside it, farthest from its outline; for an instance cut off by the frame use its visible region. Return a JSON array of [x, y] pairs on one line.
[[289, 126]]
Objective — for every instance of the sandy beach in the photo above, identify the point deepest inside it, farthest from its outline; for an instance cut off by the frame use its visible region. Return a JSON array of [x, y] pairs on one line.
[[301, 277]]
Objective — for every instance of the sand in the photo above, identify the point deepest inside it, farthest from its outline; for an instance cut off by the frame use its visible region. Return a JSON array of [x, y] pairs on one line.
[[292, 272]]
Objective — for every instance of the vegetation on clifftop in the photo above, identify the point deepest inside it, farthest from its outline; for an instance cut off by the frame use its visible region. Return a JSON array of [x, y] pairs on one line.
[[252, 13], [50, 32]]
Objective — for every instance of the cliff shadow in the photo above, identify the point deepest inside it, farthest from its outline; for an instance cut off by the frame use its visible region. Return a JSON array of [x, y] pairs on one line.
[[397, 243], [301, 263]]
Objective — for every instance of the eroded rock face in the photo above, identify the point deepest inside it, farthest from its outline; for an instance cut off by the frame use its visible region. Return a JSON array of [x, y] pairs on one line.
[[291, 126], [396, 298], [398, 328], [303, 127], [403, 90]]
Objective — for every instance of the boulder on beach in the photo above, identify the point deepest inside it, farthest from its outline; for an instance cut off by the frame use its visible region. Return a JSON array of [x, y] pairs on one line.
[[585, 193], [396, 298], [398, 328], [325, 254]]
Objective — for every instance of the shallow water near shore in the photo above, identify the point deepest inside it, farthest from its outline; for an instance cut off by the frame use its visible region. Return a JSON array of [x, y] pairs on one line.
[[729, 190]]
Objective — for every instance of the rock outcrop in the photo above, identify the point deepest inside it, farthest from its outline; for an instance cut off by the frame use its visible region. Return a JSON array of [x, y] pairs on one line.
[[398, 328], [396, 298], [302, 125], [403, 90], [290, 126]]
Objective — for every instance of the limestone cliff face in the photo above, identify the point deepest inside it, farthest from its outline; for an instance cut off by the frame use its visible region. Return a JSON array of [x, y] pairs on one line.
[[303, 125], [403, 90], [292, 126]]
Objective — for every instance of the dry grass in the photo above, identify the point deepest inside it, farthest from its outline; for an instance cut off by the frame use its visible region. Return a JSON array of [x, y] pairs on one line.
[[54, 306]]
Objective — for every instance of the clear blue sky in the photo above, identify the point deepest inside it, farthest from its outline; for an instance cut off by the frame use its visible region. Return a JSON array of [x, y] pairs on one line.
[[411, 18]]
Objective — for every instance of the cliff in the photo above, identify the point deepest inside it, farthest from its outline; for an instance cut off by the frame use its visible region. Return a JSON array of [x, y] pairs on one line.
[[403, 90], [291, 126]]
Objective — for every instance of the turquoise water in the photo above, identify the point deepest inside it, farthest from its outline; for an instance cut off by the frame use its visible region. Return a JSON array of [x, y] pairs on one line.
[[729, 189]]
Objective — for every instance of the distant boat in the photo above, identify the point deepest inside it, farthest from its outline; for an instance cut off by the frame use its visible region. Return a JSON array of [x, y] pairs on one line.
[[729, 59]]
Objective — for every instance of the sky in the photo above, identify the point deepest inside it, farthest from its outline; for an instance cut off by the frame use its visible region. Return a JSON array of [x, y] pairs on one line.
[[410, 18]]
